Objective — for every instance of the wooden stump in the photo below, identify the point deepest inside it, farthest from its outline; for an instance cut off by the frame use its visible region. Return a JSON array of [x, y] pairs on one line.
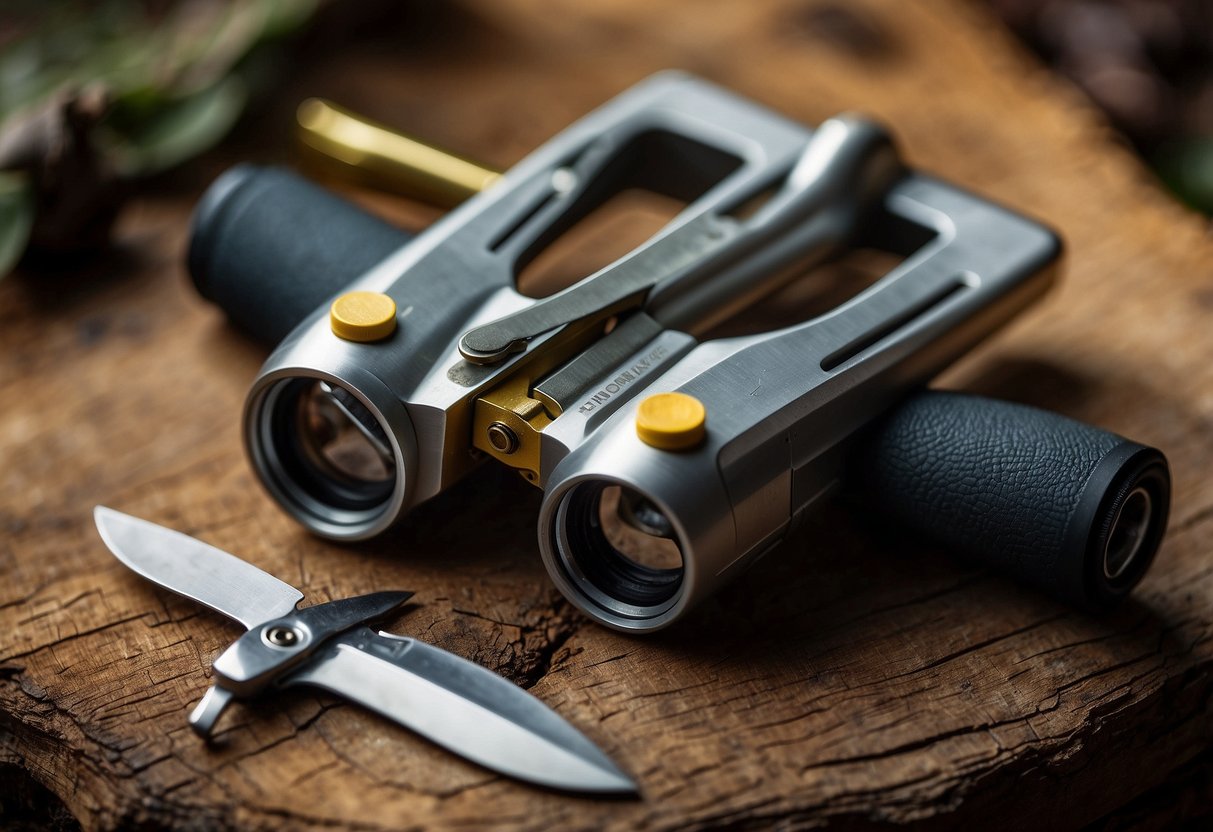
[[853, 677]]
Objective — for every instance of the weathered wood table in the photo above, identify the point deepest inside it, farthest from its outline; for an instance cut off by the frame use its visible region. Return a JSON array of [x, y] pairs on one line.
[[854, 678]]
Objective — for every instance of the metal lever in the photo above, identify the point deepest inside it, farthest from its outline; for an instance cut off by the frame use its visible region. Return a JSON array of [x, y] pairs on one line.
[[615, 289]]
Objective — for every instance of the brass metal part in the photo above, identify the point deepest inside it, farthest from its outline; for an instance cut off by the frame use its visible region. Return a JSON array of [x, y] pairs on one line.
[[512, 406], [360, 150]]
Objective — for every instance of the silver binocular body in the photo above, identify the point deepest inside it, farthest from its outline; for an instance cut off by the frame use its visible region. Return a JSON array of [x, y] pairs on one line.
[[348, 436]]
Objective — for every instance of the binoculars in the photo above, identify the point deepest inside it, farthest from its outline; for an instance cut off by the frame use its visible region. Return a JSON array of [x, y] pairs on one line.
[[670, 459]]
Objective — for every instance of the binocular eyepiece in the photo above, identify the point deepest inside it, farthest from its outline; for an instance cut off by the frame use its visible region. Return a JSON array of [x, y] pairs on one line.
[[669, 461]]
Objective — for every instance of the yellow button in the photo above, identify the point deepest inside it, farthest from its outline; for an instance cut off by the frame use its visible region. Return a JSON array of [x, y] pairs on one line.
[[363, 316], [671, 421]]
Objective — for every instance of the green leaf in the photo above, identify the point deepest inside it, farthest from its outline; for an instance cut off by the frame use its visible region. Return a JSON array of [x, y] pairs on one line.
[[1186, 166], [287, 15], [16, 218], [176, 131]]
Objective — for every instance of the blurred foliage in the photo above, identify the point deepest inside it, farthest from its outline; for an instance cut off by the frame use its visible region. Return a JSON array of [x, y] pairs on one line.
[[1148, 64], [1186, 166], [97, 93], [16, 217]]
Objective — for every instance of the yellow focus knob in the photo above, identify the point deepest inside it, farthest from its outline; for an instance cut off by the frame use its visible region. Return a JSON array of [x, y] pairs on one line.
[[363, 316], [671, 421]]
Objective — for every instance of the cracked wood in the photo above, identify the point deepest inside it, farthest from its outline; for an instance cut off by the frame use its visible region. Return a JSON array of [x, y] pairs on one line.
[[853, 677]]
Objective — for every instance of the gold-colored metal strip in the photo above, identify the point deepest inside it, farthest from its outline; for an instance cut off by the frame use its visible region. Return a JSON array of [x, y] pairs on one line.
[[357, 149], [507, 420]]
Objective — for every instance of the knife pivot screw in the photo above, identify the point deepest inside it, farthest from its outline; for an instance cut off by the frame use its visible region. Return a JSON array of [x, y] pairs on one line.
[[503, 438], [281, 636]]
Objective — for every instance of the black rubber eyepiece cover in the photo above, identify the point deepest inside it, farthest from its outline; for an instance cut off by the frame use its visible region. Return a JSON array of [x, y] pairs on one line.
[[1029, 492], [268, 247]]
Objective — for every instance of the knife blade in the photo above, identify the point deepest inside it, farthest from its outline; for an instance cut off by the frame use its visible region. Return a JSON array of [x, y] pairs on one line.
[[194, 569], [189, 567], [463, 707]]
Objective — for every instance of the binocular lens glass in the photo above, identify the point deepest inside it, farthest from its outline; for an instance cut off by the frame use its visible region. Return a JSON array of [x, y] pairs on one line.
[[619, 548], [329, 451], [342, 438], [1129, 532], [637, 529]]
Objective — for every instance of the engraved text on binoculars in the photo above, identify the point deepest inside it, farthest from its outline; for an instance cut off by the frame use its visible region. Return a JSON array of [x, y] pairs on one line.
[[623, 379]]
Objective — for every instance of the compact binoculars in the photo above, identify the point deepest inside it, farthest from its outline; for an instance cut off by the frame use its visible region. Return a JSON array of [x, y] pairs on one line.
[[670, 459]]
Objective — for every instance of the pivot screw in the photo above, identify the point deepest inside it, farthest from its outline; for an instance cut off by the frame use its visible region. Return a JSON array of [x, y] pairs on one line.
[[281, 636], [502, 438]]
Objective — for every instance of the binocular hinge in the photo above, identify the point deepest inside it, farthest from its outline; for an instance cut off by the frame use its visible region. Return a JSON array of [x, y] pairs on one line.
[[507, 419]]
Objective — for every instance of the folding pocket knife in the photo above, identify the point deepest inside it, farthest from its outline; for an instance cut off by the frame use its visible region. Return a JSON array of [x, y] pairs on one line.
[[449, 700]]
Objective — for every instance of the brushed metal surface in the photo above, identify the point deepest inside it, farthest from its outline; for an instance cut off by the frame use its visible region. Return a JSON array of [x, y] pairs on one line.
[[197, 570], [463, 707]]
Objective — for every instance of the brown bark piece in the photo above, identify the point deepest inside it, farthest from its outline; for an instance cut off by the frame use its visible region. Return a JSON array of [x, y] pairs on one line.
[[850, 678]]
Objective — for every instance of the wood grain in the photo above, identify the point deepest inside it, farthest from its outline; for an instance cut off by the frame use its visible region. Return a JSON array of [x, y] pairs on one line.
[[854, 678]]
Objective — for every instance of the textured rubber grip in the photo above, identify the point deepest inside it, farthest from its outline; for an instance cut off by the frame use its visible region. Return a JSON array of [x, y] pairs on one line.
[[1071, 508], [268, 247]]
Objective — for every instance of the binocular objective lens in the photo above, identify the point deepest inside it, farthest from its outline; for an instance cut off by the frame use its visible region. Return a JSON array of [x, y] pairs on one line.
[[328, 452], [619, 549], [342, 438], [637, 529]]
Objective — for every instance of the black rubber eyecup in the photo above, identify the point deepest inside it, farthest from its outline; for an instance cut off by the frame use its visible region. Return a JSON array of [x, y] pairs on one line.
[[1119, 523]]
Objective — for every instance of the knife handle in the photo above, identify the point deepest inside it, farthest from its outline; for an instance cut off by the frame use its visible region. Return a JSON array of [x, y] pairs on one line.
[[207, 712]]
